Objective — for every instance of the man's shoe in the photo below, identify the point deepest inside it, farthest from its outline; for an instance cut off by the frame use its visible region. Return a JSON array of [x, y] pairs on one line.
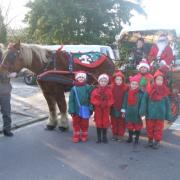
[[7, 133]]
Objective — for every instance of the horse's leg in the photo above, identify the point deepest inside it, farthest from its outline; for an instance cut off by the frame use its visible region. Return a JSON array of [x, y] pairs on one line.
[[52, 120], [63, 120]]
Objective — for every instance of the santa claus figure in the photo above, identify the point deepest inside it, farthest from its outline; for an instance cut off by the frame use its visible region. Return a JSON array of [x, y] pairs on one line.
[[162, 52]]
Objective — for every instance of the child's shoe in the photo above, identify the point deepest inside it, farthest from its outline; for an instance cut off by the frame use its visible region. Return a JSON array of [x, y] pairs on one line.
[[84, 136], [114, 138], [119, 138], [150, 143], [156, 145]]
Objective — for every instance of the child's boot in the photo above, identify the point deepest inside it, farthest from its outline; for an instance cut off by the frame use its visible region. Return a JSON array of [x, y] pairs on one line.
[[98, 135], [130, 138], [84, 136], [76, 137], [104, 130], [137, 134]]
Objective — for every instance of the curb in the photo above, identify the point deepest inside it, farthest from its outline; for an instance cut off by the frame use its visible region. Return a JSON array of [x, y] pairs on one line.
[[26, 122]]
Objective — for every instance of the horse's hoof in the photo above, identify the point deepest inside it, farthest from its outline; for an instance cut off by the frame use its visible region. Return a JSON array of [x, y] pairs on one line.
[[49, 127], [63, 129]]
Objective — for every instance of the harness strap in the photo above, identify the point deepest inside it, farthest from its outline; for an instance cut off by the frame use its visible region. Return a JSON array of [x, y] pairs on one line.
[[54, 60], [71, 62]]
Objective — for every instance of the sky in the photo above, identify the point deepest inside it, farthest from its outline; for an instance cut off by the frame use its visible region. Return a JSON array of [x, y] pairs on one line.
[[160, 14], [16, 12]]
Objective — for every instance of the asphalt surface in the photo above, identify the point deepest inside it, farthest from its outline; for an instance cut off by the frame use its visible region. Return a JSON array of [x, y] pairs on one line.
[[36, 154]]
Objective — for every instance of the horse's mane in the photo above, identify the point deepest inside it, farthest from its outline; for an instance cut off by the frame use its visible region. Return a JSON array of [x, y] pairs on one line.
[[27, 51]]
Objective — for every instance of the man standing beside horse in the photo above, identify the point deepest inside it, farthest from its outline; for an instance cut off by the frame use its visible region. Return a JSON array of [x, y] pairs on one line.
[[5, 97]]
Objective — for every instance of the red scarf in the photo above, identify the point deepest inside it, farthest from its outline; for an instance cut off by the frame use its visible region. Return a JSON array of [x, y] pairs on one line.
[[118, 93], [132, 96], [158, 92]]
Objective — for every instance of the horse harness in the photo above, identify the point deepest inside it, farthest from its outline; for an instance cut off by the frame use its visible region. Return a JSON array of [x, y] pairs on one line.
[[53, 61]]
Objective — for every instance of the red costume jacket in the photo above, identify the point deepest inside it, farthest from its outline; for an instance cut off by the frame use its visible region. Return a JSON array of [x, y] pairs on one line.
[[102, 99]]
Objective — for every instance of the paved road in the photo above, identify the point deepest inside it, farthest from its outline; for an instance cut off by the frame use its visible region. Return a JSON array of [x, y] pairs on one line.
[[36, 154]]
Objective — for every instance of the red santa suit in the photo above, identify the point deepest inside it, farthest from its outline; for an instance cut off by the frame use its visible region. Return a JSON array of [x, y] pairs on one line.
[[162, 51]]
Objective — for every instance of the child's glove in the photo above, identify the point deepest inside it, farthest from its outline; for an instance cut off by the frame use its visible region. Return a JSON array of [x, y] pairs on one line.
[[123, 114], [143, 118]]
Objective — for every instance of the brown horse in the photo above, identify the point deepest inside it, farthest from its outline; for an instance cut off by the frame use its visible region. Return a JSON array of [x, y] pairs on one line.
[[37, 59]]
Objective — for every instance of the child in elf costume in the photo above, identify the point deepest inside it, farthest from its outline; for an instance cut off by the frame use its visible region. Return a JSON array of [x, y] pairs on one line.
[[117, 121], [145, 77], [83, 91], [155, 108], [102, 99], [130, 109]]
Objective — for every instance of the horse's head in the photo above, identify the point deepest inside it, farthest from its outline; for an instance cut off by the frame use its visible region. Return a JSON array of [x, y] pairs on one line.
[[12, 60]]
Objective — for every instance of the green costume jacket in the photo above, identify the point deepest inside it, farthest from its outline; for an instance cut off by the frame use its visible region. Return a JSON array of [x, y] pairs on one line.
[[132, 111], [160, 110], [84, 93]]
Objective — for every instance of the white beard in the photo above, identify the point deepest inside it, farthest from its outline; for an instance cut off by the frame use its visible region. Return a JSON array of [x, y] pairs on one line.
[[161, 46]]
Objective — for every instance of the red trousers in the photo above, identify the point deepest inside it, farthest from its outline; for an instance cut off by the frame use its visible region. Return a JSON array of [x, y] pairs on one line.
[[134, 126], [155, 129], [118, 126], [80, 124]]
